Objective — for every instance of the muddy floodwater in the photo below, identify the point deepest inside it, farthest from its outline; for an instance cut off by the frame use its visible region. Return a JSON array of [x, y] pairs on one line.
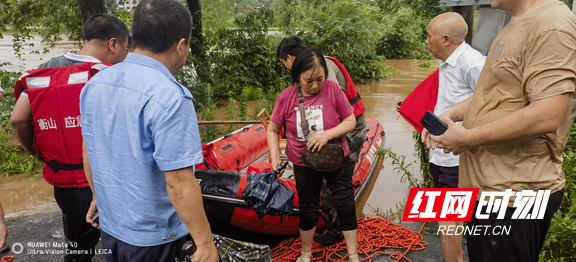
[[21, 196], [380, 99], [29, 59]]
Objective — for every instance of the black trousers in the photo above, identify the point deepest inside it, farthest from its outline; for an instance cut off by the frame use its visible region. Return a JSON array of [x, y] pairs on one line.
[[524, 242], [444, 177], [309, 186], [81, 237], [118, 251]]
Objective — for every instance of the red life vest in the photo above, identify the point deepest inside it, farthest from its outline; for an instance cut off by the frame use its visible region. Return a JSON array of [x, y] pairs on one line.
[[54, 95], [351, 91], [422, 99], [210, 160]]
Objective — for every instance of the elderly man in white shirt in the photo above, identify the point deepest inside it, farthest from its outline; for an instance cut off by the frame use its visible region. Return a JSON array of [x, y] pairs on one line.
[[1, 93], [460, 67]]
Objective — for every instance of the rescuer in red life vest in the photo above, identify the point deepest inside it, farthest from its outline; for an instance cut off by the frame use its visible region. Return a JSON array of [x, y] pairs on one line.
[[56, 139], [287, 51]]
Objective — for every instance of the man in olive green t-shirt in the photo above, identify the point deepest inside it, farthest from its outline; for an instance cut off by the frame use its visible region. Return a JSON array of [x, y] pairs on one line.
[[516, 125]]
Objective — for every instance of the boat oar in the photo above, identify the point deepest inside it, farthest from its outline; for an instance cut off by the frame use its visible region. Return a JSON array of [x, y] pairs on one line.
[[227, 122]]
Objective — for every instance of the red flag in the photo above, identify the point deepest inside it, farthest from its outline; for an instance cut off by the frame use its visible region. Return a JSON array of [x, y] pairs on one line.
[[422, 99]]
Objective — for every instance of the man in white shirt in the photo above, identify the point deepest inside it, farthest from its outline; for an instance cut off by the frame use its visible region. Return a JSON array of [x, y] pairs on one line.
[[1, 93], [460, 67]]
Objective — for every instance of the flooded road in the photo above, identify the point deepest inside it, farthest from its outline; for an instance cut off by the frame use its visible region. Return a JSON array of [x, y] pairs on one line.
[[23, 196], [380, 99]]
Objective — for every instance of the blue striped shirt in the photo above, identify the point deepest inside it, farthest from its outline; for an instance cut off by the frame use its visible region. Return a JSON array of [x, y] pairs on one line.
[[137, 122]]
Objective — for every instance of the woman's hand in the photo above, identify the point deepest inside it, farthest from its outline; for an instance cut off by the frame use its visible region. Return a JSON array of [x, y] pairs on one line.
[[273, 146], [318, 141], [275, 163]]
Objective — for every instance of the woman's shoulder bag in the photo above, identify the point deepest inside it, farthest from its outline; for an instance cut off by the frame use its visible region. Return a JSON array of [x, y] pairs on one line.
[[330, 158]]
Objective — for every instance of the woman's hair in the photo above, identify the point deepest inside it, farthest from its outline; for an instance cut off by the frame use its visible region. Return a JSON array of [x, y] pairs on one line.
[[306, 60]]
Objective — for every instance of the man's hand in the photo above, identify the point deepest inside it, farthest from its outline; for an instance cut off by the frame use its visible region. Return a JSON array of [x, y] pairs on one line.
[[3, 233], [318, 141], [207, 253], [186, 196], [3, 228], [92, 211], [455, 139], [427, 137]]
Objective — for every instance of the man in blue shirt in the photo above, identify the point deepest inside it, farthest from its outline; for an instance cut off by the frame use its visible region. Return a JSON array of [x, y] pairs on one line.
[[141, 142]]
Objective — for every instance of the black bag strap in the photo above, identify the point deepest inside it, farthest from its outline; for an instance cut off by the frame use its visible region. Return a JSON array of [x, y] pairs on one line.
[[355, 100], [303, 122]]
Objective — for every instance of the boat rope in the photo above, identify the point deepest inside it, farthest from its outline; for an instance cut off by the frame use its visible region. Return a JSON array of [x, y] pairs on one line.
[[374, 233], [7, 259]]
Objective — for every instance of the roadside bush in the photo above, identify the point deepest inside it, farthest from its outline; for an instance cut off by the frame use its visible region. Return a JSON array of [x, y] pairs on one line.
[[245, 56], [404, 24], [560, 244], [403, 36], [347, 31], [13, 159], [7, 81]]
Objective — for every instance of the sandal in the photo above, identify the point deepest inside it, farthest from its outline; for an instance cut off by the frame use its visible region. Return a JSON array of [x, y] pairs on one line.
[[300, 259]]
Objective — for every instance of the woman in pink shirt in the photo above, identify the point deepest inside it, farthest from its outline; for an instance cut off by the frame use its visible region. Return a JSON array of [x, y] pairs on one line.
[[330, 117]]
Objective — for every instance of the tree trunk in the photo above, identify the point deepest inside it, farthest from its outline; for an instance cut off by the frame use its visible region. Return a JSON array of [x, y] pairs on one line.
[[90, 7], [196, 41], [467, 12], [287, 18]]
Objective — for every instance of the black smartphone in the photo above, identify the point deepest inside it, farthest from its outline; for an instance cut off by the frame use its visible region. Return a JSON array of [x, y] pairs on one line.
[[96, 219], [434, 125]]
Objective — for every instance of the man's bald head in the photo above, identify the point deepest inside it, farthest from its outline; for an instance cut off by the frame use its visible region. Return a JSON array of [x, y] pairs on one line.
[[451, 24]]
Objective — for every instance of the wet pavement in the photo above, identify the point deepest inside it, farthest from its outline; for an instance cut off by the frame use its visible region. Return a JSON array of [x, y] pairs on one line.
[[36, 230]]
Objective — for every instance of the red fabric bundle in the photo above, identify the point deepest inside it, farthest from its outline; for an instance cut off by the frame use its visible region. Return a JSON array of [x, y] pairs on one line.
[[422, 99]]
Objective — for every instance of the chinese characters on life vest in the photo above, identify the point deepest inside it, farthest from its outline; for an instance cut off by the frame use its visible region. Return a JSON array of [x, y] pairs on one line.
[[71, 122]]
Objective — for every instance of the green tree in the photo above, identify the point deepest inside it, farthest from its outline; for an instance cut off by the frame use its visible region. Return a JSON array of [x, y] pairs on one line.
[[91, 7], [346, 30], [49, 18], [402, 36], [217, 14]]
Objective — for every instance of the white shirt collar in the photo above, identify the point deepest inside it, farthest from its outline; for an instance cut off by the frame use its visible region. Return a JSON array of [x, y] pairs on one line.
[[453, 58], [81, 58]]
